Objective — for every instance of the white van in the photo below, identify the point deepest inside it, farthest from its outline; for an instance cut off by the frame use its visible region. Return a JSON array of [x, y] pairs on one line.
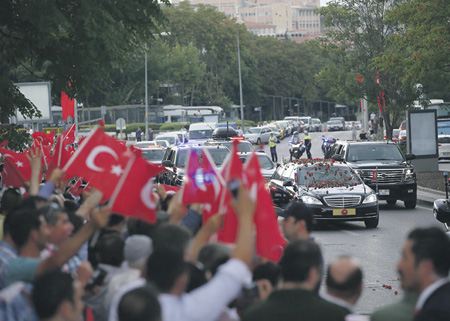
[[201, 132]]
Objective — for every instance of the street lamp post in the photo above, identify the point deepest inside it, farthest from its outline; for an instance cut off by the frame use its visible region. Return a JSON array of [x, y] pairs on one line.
[[146, 95], [238, 22]]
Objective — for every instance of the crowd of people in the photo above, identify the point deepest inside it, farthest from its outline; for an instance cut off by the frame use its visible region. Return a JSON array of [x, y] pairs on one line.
[[67, 257]]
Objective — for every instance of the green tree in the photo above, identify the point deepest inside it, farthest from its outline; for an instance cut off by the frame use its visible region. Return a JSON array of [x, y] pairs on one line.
[[356, 39], [78, 40], [420, 45]]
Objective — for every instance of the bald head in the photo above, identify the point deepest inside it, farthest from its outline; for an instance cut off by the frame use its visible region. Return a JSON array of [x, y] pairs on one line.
[[344, 279]]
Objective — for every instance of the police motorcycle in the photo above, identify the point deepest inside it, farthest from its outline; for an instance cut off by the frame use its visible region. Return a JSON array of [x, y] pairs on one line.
[[441, 207], [296, 147], [327, 144]]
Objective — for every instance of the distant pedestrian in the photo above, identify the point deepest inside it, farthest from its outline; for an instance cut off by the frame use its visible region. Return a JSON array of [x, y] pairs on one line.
[[240, 132], [150, 134], [372, 118], [296, 124], [353, 131], [138, 134], [273, 147]]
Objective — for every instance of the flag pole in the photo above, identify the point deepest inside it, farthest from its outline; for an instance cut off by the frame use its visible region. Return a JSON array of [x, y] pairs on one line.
[[75, 118]]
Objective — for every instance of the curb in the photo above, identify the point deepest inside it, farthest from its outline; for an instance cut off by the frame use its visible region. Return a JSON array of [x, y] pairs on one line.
[[427, 196]]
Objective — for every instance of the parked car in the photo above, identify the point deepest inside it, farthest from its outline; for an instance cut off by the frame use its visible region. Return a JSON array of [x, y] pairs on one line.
[[358, 124], [267, 166], [341, 119], [334, 125], [332, 190], [395, 135], [289, 126], [243, 145], [275, 130], [444, 146], [307, 123], [402, 137], [384, 168], [280, 129], [348, 125], [153, 154], [170, 137], [257, 135], [317, 124], [284, 128]]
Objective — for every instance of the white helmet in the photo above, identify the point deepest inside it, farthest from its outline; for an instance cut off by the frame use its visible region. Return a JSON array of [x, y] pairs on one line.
[[305, 132]]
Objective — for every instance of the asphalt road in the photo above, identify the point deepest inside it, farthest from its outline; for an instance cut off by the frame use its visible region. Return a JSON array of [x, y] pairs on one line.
[[378, 249]]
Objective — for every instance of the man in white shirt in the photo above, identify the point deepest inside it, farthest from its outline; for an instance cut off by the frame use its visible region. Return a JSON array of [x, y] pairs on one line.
[[168, 271], [296, 124], [423, 268]]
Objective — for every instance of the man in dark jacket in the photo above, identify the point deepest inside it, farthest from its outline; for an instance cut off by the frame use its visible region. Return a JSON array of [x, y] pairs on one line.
[[424, 268], [301, 267]]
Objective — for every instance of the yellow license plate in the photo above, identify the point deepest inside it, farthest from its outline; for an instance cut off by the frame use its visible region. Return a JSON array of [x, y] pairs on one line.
[[344, 212]]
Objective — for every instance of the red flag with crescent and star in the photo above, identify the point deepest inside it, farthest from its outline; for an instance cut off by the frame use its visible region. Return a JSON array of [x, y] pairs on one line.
[[133, 195], [17, 168], [68, 106], [231, 170], [269, 241], [100, 160]]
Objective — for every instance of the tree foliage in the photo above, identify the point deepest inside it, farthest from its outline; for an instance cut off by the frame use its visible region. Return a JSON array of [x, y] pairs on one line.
[[357, 38], [59, 41]]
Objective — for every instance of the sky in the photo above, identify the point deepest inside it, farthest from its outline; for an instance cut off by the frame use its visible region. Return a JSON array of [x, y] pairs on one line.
[[323, 2]]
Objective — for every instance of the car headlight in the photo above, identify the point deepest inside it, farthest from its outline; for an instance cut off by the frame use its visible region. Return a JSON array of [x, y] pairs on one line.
[[372, 198], [409, 174], [310, 200]]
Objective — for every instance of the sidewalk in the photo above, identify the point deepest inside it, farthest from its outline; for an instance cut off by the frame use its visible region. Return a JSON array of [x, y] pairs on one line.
[[427, 196]]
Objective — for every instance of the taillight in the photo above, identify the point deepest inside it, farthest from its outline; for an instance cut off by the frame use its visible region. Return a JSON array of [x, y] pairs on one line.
[[273, 188], [237, 138]]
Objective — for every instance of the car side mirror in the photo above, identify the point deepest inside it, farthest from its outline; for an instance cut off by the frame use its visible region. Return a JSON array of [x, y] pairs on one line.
[[337, 158], [367, 181], [167, 163], [410, 157]]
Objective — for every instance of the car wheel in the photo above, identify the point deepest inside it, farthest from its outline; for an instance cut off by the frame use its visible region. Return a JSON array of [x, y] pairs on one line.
[[411, 204], [371, 222], [391, 202], [258, 141]]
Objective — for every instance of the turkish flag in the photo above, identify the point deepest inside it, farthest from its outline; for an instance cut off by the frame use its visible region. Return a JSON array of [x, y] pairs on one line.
[[100, 160], [61, 153], [68, 136], [232, 170], [215, 186], [17, 168], [269, 241], [75, 188], [194, 188], [68, 106], [50, 137], [43, 139], [133, 195]]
